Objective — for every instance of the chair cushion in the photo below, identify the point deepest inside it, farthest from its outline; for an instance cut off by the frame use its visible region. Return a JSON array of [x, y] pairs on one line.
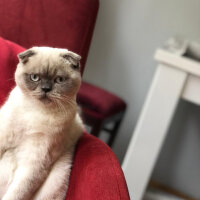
[[96, 173], [57, 23], [99, 101]]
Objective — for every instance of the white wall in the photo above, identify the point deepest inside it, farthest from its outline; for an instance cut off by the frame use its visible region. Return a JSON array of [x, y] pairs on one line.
[[121, 60]]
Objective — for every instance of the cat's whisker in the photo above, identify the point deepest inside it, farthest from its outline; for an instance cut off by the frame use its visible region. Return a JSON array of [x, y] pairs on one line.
[[59, 105], [63, 108], [65, 99], [68, 101]]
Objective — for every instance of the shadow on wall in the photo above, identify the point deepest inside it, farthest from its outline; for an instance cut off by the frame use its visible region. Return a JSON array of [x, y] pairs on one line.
[[101, 59], [108, 65], [179, 152]]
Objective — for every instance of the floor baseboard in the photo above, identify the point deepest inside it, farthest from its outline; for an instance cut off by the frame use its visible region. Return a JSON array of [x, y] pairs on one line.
[[168, 190]]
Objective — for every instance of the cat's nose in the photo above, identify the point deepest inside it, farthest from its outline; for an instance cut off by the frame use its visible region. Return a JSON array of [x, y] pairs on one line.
[[46, 90], [46, 87]]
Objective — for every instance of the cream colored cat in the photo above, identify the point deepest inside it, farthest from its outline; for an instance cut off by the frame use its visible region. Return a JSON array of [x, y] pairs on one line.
[[39, 126]]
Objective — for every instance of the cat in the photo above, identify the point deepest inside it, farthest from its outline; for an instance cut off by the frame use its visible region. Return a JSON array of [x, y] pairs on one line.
[[40, 126]]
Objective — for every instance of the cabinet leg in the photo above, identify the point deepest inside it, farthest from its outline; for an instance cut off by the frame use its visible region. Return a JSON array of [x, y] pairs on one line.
[[152, 127]]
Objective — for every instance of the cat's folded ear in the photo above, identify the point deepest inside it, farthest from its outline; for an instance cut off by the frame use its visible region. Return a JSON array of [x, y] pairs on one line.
[[25, 55], [73, 58]]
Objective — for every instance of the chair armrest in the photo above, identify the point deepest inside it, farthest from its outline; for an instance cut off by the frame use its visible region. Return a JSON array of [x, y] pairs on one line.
[[96, 173], [8, 63]]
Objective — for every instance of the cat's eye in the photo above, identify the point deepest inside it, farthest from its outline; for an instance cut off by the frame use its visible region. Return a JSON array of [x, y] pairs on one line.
[[34, 77], [76, 67], [60, 79]]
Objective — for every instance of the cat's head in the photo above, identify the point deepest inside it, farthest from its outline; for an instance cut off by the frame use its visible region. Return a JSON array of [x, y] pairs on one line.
[[48, 74]]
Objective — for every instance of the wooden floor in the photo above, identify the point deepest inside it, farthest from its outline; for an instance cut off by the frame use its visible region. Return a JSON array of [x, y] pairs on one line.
[[159, 195], [170, 193]]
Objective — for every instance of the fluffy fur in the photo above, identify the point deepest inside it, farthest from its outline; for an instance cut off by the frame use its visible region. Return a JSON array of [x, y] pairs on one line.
[[38, 130]]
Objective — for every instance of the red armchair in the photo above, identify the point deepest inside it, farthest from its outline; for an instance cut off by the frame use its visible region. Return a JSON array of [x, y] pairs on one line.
[[66, 24], [96, 173]]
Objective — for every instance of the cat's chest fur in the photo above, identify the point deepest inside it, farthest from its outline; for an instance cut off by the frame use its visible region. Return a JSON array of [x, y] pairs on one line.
[[29, 118], [26, 128]]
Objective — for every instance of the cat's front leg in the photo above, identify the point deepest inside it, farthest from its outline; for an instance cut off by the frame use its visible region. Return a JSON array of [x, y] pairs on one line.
[[26, 182], [56, 184], [2, 150], [3, 143], [33, 166], [5, 136], [8, 140]]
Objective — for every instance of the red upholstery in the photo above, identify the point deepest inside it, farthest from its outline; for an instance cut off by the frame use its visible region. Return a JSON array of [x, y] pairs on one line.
[[101, 102], [60, 23], [57, 23], [96, 173], [8, 61]]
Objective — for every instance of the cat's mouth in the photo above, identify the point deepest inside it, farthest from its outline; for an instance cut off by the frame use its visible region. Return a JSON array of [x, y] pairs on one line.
[[45, 98]]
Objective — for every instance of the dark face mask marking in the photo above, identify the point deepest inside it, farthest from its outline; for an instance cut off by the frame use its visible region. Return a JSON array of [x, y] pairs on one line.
[[49, 84], [46, 85]]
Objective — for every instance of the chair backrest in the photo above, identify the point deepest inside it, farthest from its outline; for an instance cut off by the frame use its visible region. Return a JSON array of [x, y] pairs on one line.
[[8, 62], [57, 23]]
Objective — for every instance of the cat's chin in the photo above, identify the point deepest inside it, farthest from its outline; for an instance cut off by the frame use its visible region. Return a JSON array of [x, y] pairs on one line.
[[45, 99]]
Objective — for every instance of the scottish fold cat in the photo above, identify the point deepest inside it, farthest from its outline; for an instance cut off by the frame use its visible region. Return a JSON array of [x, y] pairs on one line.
[[40, 125]]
